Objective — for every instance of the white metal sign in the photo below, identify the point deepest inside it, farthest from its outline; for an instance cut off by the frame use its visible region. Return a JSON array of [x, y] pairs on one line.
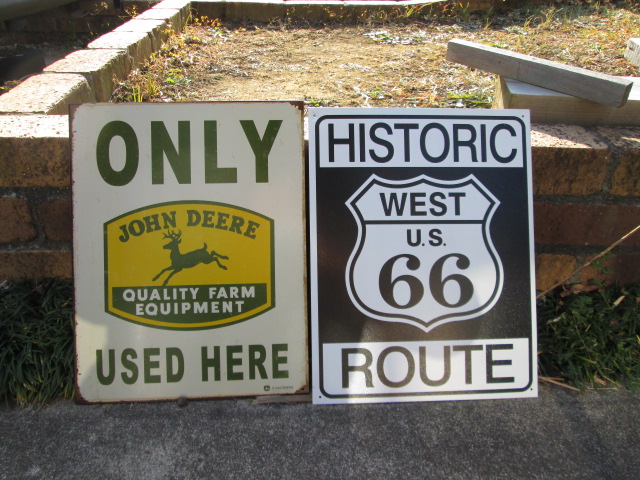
[[189, 250], [421, 255]]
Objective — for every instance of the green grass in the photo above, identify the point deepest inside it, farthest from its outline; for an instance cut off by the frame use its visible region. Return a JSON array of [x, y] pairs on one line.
[[591, 338], [36, 342], [586, 339]]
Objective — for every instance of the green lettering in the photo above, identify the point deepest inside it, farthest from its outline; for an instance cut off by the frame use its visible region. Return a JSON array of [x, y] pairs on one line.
[[251, 229], [150, 364], [117, 178], [236, 225], [193, 218], [125, 234], [169, 219], [127, 357], [179, 160], [208, 219], [222, 221], [207, 363], [174, 354], [213, 173], [277, 360], [257, 356], [108, 378], [233, 361], [261, 146], [152, 222]]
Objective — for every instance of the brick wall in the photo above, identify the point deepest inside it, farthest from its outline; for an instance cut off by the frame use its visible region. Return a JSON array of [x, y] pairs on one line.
[[586, 187], [35, 184], [586, 181], [586, 197]]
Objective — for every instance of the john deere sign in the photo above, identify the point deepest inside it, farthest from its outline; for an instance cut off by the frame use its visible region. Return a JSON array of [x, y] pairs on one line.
[[163, 271], [189, 250]]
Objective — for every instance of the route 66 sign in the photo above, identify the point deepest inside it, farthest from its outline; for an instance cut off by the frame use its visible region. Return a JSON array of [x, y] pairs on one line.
[[391, 218], [421, 255]]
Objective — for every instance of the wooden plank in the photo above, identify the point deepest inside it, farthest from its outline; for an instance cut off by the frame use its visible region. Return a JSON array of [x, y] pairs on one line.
[[579, 82], [633, 51], [547, 106]]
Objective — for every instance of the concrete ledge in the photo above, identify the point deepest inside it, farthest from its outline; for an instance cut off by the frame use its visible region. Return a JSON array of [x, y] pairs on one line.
[[34, 151], [48, 93], [99, 67]]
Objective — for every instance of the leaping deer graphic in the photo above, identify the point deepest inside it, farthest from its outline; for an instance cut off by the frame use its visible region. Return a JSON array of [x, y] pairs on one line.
[[180, 261]]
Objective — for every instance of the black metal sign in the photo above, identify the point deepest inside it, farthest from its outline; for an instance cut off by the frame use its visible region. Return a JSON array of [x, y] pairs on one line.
[[421, 255]]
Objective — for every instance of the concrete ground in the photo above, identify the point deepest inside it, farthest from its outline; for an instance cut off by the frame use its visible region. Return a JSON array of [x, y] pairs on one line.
[[559, 435]]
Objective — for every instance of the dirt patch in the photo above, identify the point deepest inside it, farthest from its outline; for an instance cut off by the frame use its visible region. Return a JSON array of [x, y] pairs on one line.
[[380, 61]]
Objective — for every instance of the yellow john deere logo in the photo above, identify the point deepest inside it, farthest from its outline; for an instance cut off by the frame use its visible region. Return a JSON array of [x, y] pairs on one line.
[[189, 265]]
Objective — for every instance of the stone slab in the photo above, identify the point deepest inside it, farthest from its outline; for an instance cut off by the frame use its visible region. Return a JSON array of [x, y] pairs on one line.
[[34, 151], [138, 45], [100, 67], [48, 93]]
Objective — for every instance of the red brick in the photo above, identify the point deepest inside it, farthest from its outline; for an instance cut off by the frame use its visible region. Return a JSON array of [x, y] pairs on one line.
[[568, 160], [551, 269], [35, 264], [626, 178], [56, 220], [623, 269], [15, 221], [581, 224]]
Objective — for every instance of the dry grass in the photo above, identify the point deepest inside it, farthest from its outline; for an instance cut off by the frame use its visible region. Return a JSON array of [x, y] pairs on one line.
[[380, 60]]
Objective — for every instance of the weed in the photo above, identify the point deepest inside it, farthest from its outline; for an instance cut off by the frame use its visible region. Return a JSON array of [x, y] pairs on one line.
[[131, 10], [317, 102], [377, 94], [549, 16], [175, 76], [136, 95], [462, 11], [472, 99], [152, 87]]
